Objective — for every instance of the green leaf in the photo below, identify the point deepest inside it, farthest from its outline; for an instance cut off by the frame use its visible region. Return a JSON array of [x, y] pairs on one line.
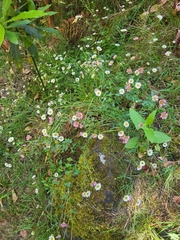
[[12, 37], [33, 51], [43, 9], [31, 5], [15, 53], [50, 13], [32, 31], [26, 15], [150, 118], [5, 6], [149, 132], [50, 30], [160, 137], [26, 40], [18, 24], [132, 142], [2, 33], [136, 118]]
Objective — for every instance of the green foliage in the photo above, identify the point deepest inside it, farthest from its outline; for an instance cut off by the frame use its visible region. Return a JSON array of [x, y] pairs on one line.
[[140, 123], [15, 26]]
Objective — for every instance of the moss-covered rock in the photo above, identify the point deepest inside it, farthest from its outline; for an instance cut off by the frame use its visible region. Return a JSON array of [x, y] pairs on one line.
[[100, 215]]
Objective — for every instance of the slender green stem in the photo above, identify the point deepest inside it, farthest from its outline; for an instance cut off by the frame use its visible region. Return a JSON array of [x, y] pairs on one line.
[[39, 75]]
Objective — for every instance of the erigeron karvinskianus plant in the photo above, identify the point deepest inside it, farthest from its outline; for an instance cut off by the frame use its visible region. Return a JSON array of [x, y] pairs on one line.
[[145, 131], [18, 28]]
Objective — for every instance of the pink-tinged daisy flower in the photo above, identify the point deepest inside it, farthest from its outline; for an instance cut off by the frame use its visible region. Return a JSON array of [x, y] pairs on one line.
[[79, 115], [63, 225], [136, 38], [141, 70], [75, 124], [93, 184], [50, 120], [162, 102], [94, 135], [128, 87], [164, 115], [28, 137], [129, 71]]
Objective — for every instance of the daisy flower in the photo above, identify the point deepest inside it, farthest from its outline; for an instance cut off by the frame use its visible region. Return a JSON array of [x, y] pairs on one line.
[[97, 186], [127, 198], [11, 139], [142, 163], [164, 115], [126, 124], [155, 98], [55, 135], [60, 138], [100, 136], [121, 91], [120, 133], [139, 167], [138, 85], [149, 152]]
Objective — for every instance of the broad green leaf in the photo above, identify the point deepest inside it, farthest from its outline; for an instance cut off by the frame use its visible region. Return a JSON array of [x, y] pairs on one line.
[[149, 132], [18, 24], [33, 51], [43, 9], [160, 137], [150, 118], [50, 13], [50, 30], [26, 15], [136, 118], [15, 53], [2, 33], [132, 142], [12, 37], [5, 6], [31, 5], [32, 31]]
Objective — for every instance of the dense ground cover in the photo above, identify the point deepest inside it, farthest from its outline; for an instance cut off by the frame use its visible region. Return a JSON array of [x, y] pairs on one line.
[[53, 172]]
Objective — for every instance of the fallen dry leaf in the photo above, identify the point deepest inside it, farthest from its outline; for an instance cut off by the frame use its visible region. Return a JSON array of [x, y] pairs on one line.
[[176, 199], [154, 8], [140, 155], [169, 163], [177, 39], [14, 196], [144, 15], [162, 2], [23, 233]]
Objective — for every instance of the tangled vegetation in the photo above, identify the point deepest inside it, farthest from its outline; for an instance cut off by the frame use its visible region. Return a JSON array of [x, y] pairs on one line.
[[91, 151]]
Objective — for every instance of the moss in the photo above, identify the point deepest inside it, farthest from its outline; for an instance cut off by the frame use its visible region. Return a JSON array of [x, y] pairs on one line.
[[93, 217]]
